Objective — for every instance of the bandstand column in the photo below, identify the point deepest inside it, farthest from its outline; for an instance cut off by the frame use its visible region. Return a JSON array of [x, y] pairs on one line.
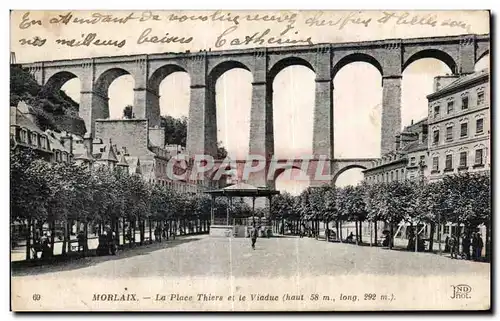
[[212, 210]]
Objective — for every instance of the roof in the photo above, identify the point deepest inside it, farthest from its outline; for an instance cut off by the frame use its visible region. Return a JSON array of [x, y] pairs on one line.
[[242, 190], [87, 156], [109, 153], [23, 121], [123, 161], [415, 146], [240, 186], [461, 82]]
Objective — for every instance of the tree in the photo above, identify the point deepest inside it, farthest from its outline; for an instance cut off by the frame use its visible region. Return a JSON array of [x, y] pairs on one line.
[[175, 130], [221, 151], [128, 112], [29, 192], [53, 109], [350, 206]]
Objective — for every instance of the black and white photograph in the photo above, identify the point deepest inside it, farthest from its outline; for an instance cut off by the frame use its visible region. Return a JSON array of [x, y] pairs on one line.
[[224, 160]]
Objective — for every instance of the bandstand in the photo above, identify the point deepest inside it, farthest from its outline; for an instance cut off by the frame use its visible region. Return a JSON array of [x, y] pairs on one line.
[[228, 227]]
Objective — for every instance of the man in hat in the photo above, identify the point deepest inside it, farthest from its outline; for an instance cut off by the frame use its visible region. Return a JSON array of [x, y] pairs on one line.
[[253, 236]]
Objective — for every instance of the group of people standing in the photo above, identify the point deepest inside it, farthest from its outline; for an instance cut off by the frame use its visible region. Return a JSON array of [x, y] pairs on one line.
[[160, 232], [471, 246]]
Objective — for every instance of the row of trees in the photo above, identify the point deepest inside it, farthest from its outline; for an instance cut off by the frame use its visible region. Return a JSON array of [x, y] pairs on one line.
[[462, 199], [57, 194]]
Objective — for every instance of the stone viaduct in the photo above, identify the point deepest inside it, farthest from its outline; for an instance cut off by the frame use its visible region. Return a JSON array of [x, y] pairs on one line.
[[390, 57]]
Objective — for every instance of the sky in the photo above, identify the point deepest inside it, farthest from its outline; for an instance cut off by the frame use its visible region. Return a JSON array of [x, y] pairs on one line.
[[357, 86]]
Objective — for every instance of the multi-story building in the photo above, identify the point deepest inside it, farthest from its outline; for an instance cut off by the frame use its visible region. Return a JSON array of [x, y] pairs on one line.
[[24, 133], [128, 144], [406, 161], [459, 126]]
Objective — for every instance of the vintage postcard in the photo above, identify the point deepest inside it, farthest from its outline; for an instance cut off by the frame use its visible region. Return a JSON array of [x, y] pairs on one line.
[[250, 160]]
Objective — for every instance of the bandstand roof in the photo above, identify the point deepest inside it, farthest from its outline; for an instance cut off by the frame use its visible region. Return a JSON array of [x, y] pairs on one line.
[[243, 190]]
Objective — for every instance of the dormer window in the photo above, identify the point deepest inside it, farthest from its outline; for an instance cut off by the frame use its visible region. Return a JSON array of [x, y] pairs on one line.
[[43, 142], [23, 136], [34, 139]]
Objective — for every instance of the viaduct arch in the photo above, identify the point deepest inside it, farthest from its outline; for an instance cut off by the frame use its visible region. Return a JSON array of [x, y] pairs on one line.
[[390, 57]]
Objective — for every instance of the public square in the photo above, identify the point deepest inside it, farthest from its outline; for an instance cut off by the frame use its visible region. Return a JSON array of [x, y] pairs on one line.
[[204, 256]]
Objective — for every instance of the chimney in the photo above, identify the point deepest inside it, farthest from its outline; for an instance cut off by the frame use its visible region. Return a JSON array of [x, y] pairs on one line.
[[443, 81], [87, 143], [398, 142], [67, 141]]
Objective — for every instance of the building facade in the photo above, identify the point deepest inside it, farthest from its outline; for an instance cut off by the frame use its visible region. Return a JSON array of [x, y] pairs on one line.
[[459, 126], [408, 159], [25, 134]]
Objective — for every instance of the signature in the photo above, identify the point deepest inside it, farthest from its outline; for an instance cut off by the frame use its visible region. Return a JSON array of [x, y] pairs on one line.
[[261, 38]]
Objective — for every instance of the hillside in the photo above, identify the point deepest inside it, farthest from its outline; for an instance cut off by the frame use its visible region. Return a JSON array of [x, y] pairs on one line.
[[53, 109]]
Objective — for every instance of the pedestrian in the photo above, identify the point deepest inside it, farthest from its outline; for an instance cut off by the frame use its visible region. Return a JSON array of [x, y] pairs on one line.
[[466, 245], [453, 246], [477, 246], [480, 246], [157, 233], [253, 236], [81, 239]]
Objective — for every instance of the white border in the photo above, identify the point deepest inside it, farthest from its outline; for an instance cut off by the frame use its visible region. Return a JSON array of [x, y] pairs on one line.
[[197, 5]]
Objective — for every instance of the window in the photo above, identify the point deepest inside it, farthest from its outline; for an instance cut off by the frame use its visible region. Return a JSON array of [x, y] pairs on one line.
[[435, 140], [435, 163], [480, 98], [479, 157], [397, 174], [34, 139], [392, 176], [43, 142], [449, 133], [479, 125], [463, 159], [449, 108], [436, 110], [463, 130], [449, 162], [465, 102], [446, 229], [422, 160], [412, 161], [23, 136]]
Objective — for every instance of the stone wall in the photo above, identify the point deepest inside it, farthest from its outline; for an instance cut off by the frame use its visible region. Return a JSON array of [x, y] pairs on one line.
[[129, 133]]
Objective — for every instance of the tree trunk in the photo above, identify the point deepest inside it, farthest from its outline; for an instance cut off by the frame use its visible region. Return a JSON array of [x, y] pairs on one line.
[[340, 232], [65, 238], [117, 231], [123, 230], [52, 237], [487, 244], [28, 240], [86, 239], [337, 229], [375, 232], [357, 230], [141, 232], [391, 235], [361, 232], [431, 238]]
